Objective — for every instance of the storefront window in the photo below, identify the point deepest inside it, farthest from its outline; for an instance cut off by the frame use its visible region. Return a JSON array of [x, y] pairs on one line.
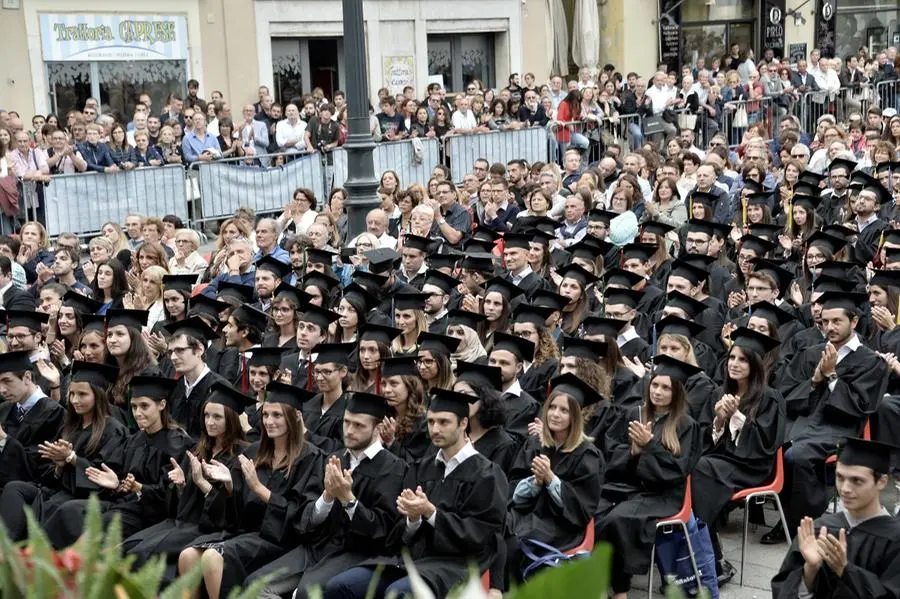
[[461, 58], [70, 86], [714, 41], [122, 82], [700, 11], [876, 30]]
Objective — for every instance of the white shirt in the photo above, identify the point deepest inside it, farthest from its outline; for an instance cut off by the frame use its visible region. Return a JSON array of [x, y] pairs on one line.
[[463, 120], [515, 389], [848, 348], [659, 97], [517, 279], [189, 387], [626, 336], [284, 131], [322, 507]]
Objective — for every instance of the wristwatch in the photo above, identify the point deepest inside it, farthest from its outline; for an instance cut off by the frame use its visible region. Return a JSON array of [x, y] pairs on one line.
[[831, 377], [70, 459], [443, 221], [350, 504]]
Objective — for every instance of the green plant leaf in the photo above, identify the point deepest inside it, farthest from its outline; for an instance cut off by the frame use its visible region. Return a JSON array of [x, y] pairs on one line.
[[585, 579], [150, 576], [255, 589], [89, 545], [43, 581], [13, 576], [188, 583]]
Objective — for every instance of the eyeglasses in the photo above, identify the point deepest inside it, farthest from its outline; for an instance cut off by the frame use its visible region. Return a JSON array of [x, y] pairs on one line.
[[20, 338], [427, 362], [323, 372], [177, 350], [716, 144]]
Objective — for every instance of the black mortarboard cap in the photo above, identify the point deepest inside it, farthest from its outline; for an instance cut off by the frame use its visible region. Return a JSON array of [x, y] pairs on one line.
[[179, 282], [886, 278], [704, 197], [536, 315], [440, 260], [518, 346], [639, 251], [892, 236], [371, 281], [367, 403], [29, 319], [357, 293], [318, 316], [757, 244], [156, 388], [810, 202], [288, 395], [575, 388], [656, 227], [810, 178], [752, 185], [577, 273], [593, 351], [134, 319], [840, 299], [766, 231], [664, 365], [415, 242], [783, 277], [443, 400], [481, 262], [759, 198], [544, 224], [839, 231], [603, 216], [830, 242], [441, 344], [399, 366], [82, 304], [749, 339], [479, 374], [770, 312], [549, 299], [892, 254], [598, 325], [485, 234], [249, 315], [825, 283], [322, 281], [846, 163], [292, 294], [99, 375], [836, 268], [382, 260], [888, 167], [863, 179], [465, 318], [409, 301], [618, 296], [95, 322], [267, 356], [320, 256], [869, 454], [15, 361], [224, 394], [242, 293], [205, 305], [380, 333], [517, 240], [333, 353], [686, 270], [542, 237], [590, 248], [673, 325], [620, 276], [193, 326], [691, 307], [476, 245], [442, 281], [507, 289]]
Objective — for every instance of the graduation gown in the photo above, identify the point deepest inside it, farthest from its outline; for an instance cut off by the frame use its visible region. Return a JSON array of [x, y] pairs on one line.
[[602, 419], [325, 430], [19, 460], [147, 458], [250, 533], [413, 446], [50, 490], [187, 410], [873, 562], [625, 389], [270, 339], [521, 411], [731, 465], [439, 326], [499, 446], [471, 509], [225, 361], [343, 543], [534, 380], [641, 489], [702, 395], [540, 517], [531, 283], [182, 526], [636, 348], [299, 370], [867, 242]]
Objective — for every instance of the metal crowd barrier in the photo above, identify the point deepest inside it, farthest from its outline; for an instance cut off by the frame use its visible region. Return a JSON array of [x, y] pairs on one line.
[[412, 160], [225, 185], [886, 94], [81, 203], [739, 115], [497, 146], [840, 103], [623, 131]]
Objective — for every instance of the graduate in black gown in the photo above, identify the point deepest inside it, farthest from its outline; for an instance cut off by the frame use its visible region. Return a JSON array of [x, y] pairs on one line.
[[136, 491], [530, 322], [352, 518], [746, 434], [556, 478], [263, 370], [27, 418], [89, 437], [510, 354], [854, 553], [487, 414], [312, 329], [404, 431], [286, 301], [651, 450], [323, 414], [829, 391], [221, 439], [868, 200], [253, 504], [222, 360], [624, 389], [453, 506]]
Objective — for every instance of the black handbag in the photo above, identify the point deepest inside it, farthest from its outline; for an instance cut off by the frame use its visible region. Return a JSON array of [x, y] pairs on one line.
[[654, 124]]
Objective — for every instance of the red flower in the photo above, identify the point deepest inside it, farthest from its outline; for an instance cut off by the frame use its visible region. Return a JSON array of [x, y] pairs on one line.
[[70, 560]]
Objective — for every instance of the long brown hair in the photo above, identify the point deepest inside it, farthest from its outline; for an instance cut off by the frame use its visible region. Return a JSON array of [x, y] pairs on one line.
[[138, 359], [575, 436], [677, 410], [296, 433], [233, 439], [415, 406], [99, 417]]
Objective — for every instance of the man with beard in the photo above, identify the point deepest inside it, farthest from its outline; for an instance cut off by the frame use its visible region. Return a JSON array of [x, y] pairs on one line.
[[269, 274]]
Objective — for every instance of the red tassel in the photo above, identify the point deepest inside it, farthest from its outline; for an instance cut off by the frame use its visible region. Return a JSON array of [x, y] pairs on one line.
[[245, 375], [309, 375], [378, 380]]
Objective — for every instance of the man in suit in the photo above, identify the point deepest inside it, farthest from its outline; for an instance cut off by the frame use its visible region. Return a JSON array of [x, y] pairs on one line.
[[11, 297], [803, 80]]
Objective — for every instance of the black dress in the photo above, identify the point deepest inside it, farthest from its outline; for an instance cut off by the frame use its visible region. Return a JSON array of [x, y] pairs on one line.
[[147, 458], [499, 446], [640, 490], [51, 489], [271, 338], [252, 533], [19, 460], [521, 410], [873, 562]]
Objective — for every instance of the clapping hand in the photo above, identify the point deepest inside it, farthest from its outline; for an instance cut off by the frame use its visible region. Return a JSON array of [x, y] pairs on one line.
[[827, 363], [176, 474], [218, 472], [540, 467], [47, 370], [833, 550], [883, 318], [56, 452], [414, 505], [248, 469], [338, 482], [103, 477], [130, 485], [388, 431], [535, 428], [725, 409], [640, 434], [808, 545]]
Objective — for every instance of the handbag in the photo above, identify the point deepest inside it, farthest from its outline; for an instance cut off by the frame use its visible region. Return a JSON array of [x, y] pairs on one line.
[[740, 119], [654, 125], [687, 121], [541, 555], [673, 558]]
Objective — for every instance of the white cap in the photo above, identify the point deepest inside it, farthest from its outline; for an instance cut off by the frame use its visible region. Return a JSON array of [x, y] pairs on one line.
[[889, 113]]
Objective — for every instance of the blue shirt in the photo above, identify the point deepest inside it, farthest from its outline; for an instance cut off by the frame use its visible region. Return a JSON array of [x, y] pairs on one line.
[[277, 252], [32, 399], [193, 146]]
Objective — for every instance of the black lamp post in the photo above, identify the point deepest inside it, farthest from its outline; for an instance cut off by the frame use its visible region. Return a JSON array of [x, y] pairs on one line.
[[361, 183]]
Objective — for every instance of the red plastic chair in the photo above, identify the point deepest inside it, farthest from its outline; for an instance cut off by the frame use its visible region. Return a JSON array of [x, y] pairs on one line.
[[586, 545], [681, 520], [760, 494]]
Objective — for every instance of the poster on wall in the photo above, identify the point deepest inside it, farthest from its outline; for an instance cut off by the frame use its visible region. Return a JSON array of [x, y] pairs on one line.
[[399, 72], [825, 27], [772, 18], [797, 52], [90, 37], [670, 33]]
